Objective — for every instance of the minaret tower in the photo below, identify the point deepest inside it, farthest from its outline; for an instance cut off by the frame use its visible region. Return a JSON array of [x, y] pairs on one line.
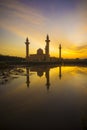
[[27, 48], [47, 46], [59, 51]]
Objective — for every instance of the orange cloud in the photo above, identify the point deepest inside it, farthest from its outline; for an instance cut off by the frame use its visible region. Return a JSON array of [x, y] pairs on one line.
[[22, 20]]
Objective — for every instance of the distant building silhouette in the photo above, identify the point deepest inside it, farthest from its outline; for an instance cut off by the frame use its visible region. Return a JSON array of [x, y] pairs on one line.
[[40, 56]]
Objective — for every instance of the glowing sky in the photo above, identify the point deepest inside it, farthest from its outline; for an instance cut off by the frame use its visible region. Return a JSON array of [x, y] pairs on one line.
[[64, 20]]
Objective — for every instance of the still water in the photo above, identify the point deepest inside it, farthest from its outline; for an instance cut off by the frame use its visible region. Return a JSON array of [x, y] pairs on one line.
[[43, 98]]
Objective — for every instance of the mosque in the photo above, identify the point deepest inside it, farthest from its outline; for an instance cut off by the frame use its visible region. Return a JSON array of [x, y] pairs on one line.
[[40, 56]]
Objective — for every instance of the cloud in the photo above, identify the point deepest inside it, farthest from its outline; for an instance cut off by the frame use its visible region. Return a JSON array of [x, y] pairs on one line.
[[16, 6], [76, 51], [82, 50], [18, 15], [70, 29]]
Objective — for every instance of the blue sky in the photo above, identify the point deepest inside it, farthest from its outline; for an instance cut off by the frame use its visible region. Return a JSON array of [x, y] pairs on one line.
[[64, 20]]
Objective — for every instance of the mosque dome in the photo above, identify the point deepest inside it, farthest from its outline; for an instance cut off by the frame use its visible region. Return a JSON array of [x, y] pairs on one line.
[[39, 51]]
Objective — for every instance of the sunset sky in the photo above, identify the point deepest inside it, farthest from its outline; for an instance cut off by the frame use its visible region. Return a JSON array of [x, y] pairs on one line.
[[65, 21]]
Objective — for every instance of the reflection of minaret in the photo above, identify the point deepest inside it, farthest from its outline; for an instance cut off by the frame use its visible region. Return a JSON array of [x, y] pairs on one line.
[[27, 48], [27, 77], [60, 51], [47, 47], [47, 78], [60, 75]]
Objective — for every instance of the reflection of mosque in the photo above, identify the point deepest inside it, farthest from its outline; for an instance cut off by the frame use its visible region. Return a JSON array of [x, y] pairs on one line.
[[27, 77], [60, 75], [40, 71]]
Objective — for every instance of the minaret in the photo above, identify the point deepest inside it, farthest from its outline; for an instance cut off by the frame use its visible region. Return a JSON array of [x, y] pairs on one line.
[[47, 46], [27, 48], [59, 51]]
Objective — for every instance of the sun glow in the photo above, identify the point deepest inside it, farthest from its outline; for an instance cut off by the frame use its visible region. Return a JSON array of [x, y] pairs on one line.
[[65, 25]]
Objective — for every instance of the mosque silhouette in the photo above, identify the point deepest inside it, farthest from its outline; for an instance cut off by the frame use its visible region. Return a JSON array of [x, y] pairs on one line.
[[40, 56]]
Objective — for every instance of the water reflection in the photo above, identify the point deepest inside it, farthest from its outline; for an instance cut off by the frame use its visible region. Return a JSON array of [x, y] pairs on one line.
[[65, 107], [47, 78], [40, 72], [60, 75], [27, 77]]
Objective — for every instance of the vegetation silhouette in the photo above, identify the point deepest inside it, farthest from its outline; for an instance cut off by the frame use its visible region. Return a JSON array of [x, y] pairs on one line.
[[8, 61]]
